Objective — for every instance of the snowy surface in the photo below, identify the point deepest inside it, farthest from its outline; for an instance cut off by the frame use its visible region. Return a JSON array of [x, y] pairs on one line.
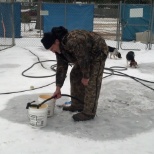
[[125, 117]]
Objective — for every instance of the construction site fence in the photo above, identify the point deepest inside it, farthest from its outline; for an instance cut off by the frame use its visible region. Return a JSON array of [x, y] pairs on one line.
[[120, 24]]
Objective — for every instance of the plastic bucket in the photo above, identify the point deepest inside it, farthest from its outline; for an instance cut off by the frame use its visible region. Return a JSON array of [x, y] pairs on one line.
[[38, 116], [51, 103]]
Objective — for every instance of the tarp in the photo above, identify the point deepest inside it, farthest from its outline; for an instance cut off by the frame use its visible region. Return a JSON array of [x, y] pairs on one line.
[[135, 18], [71, 16], [7, 16]]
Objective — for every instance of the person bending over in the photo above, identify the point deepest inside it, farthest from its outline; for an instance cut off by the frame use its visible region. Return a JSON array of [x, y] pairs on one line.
[[87, 51]]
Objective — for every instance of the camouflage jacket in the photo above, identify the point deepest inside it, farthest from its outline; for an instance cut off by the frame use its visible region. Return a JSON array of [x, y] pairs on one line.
[[79, 47]]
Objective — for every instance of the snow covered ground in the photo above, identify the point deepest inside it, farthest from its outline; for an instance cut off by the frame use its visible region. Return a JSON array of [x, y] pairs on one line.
[[125, 117]]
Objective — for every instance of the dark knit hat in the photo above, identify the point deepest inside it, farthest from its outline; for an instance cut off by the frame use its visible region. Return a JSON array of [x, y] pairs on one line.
[[59, 32], [48, 39]]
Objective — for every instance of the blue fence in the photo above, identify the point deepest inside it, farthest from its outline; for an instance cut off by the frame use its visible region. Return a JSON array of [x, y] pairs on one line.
[[135, 18], [71, 16], [10, 15]]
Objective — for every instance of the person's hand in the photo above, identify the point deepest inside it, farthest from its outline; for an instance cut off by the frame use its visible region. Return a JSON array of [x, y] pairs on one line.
[[57, 93], [85, 81]]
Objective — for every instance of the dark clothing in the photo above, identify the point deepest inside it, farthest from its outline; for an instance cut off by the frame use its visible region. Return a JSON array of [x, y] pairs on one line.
[[79, 47], [88, 94], [88, 52]]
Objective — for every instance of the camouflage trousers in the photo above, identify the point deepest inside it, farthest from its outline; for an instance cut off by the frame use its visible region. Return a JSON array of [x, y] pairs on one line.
[[89, 95]]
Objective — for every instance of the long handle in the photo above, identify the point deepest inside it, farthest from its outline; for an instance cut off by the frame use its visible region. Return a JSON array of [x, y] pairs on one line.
[[38, 105]]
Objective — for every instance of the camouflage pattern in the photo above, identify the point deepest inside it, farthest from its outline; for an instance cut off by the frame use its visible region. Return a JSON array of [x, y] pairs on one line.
[[88, 52]]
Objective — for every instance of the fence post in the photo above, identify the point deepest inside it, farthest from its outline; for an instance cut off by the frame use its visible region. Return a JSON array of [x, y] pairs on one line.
[[12, 20], [151, 27], [40, 16], [119, 25]]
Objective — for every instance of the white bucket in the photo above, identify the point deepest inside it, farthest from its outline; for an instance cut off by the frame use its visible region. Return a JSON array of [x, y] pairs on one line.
[[38, 116], [51, 103]]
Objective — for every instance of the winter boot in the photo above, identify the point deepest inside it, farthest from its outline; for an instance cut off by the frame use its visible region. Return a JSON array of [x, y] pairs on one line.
[[82, 117]]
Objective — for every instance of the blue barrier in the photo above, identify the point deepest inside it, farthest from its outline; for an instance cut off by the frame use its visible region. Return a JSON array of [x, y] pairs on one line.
[[7, 18], [134, 19], [71, 16]]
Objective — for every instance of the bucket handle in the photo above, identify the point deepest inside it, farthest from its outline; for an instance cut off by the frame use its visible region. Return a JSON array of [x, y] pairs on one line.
[[30, 104]]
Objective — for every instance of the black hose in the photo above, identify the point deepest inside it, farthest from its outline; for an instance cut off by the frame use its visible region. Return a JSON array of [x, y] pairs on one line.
[[30, 104], [13, 92], [35, 56], [113, 71], [125, 75], [37, 76]]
